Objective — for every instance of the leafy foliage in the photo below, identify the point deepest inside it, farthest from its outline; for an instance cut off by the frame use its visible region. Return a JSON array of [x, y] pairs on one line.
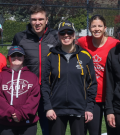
[[10, 28], [79, 20]]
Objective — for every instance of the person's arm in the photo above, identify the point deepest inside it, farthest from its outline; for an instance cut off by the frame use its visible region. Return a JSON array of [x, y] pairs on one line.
[[6, 110], [91, 90], [31, 105], [46, 90], [109, 92]]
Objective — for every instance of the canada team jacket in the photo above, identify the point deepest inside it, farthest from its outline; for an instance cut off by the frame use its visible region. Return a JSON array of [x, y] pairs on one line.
[[69, 87]]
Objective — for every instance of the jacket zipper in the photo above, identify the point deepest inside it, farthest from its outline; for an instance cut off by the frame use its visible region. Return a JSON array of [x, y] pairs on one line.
[[67, 77]]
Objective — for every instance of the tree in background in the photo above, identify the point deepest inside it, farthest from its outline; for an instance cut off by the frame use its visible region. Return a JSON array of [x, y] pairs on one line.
[[79, 20]]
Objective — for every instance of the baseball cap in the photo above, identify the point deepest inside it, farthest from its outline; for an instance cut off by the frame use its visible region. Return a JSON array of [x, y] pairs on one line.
[[66, 25], [14, 49]]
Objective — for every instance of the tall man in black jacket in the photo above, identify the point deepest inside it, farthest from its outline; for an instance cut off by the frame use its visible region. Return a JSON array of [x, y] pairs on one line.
[[36, 41]]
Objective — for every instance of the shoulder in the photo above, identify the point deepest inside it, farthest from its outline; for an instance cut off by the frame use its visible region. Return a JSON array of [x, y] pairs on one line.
[[115, 50], [113, 40], [53, 33], [2, 56], [18, 36], [84, 41], [85, 53]]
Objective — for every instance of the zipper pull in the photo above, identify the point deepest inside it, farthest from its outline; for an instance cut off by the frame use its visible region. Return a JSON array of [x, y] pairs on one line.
[[67, 61]]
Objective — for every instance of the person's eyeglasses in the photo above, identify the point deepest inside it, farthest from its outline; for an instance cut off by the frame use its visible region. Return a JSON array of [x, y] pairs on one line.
[[68, 32], [16, 55]]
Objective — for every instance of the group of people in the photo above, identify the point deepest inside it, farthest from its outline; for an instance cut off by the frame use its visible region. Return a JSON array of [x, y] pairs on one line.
[[62, 79]]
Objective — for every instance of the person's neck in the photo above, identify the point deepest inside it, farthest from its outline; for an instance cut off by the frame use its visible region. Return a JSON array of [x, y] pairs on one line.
[[16, 68], [40, 34], [69, 48], [99, 42]]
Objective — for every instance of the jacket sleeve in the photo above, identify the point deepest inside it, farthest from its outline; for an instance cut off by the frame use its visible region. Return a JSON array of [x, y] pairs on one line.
[[3, 61], [6, 110], [45, 88], [109, 86], [17, 38], [32, 103], [91, 86], [14, 42]]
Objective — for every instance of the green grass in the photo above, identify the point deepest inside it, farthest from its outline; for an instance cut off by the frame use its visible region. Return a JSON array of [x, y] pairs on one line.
[[39, 132]]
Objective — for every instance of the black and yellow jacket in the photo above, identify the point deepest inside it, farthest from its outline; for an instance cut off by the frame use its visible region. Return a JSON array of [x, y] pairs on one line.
[[69, 87]]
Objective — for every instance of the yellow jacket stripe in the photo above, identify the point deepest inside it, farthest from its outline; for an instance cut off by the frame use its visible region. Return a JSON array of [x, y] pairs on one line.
[[89, 75], [58, 65], [82, 73], [49, 54], [86, 53]]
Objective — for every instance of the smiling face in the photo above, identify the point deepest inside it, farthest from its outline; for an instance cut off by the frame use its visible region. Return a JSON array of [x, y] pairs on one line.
[[38, 22], [67, 39], [16, 59], [97, 28]]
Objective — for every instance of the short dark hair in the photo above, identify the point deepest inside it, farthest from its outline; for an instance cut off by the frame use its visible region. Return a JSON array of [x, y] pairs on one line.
[[97, 17], [36, 9]]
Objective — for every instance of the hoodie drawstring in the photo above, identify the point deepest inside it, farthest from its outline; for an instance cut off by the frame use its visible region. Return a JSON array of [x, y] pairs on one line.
[[82, 73], [11, 102], [58, 65], [18, 83]]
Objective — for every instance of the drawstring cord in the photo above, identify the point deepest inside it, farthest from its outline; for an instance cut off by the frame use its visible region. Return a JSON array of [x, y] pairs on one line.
[[58, 65], [18, 83], [82, 73], [11, 102]]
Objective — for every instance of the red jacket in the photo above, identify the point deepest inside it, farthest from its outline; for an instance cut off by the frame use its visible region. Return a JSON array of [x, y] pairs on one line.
[[23, 101], [3, 62]]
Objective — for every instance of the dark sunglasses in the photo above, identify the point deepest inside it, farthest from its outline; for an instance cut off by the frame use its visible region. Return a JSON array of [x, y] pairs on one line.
[[68, 32], [16, 55]]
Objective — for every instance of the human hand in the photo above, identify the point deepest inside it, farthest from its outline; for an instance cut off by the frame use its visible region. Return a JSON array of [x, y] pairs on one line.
[[15, 117], [88, 116], [111, 120], [51, 115]]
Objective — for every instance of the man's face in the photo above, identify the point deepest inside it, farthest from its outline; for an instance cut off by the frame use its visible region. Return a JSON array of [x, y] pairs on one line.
[[38, 22]]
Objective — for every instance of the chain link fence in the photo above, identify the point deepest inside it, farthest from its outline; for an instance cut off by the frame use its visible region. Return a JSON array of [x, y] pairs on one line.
[[14, 15]]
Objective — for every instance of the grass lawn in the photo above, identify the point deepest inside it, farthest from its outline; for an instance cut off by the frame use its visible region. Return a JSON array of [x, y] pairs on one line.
[[68, 129]]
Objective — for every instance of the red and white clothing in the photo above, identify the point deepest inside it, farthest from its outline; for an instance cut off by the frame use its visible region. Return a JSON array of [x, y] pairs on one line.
[[99, 59], [3, 61]]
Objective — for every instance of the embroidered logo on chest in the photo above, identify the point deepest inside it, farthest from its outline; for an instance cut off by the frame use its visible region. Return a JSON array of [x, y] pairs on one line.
[[78, 64]]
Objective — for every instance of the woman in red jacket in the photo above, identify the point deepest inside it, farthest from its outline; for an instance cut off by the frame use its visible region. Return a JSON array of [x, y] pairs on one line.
[[98, 45], [19, 96]]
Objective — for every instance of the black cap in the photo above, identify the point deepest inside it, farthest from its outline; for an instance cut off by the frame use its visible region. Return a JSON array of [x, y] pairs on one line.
[[14, 49], [66, 25]]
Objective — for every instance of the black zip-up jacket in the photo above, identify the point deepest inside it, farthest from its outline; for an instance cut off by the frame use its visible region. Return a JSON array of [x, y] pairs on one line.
[[73, 84], [113, 81], [30, 42]]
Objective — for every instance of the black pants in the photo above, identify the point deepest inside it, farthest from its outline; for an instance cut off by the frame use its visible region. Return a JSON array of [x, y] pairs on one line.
[[94, 126], [26, 130], [58, 126], [117, 120]]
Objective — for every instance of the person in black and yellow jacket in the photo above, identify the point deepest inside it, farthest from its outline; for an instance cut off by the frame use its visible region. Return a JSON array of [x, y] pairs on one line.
[[69, 84]]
